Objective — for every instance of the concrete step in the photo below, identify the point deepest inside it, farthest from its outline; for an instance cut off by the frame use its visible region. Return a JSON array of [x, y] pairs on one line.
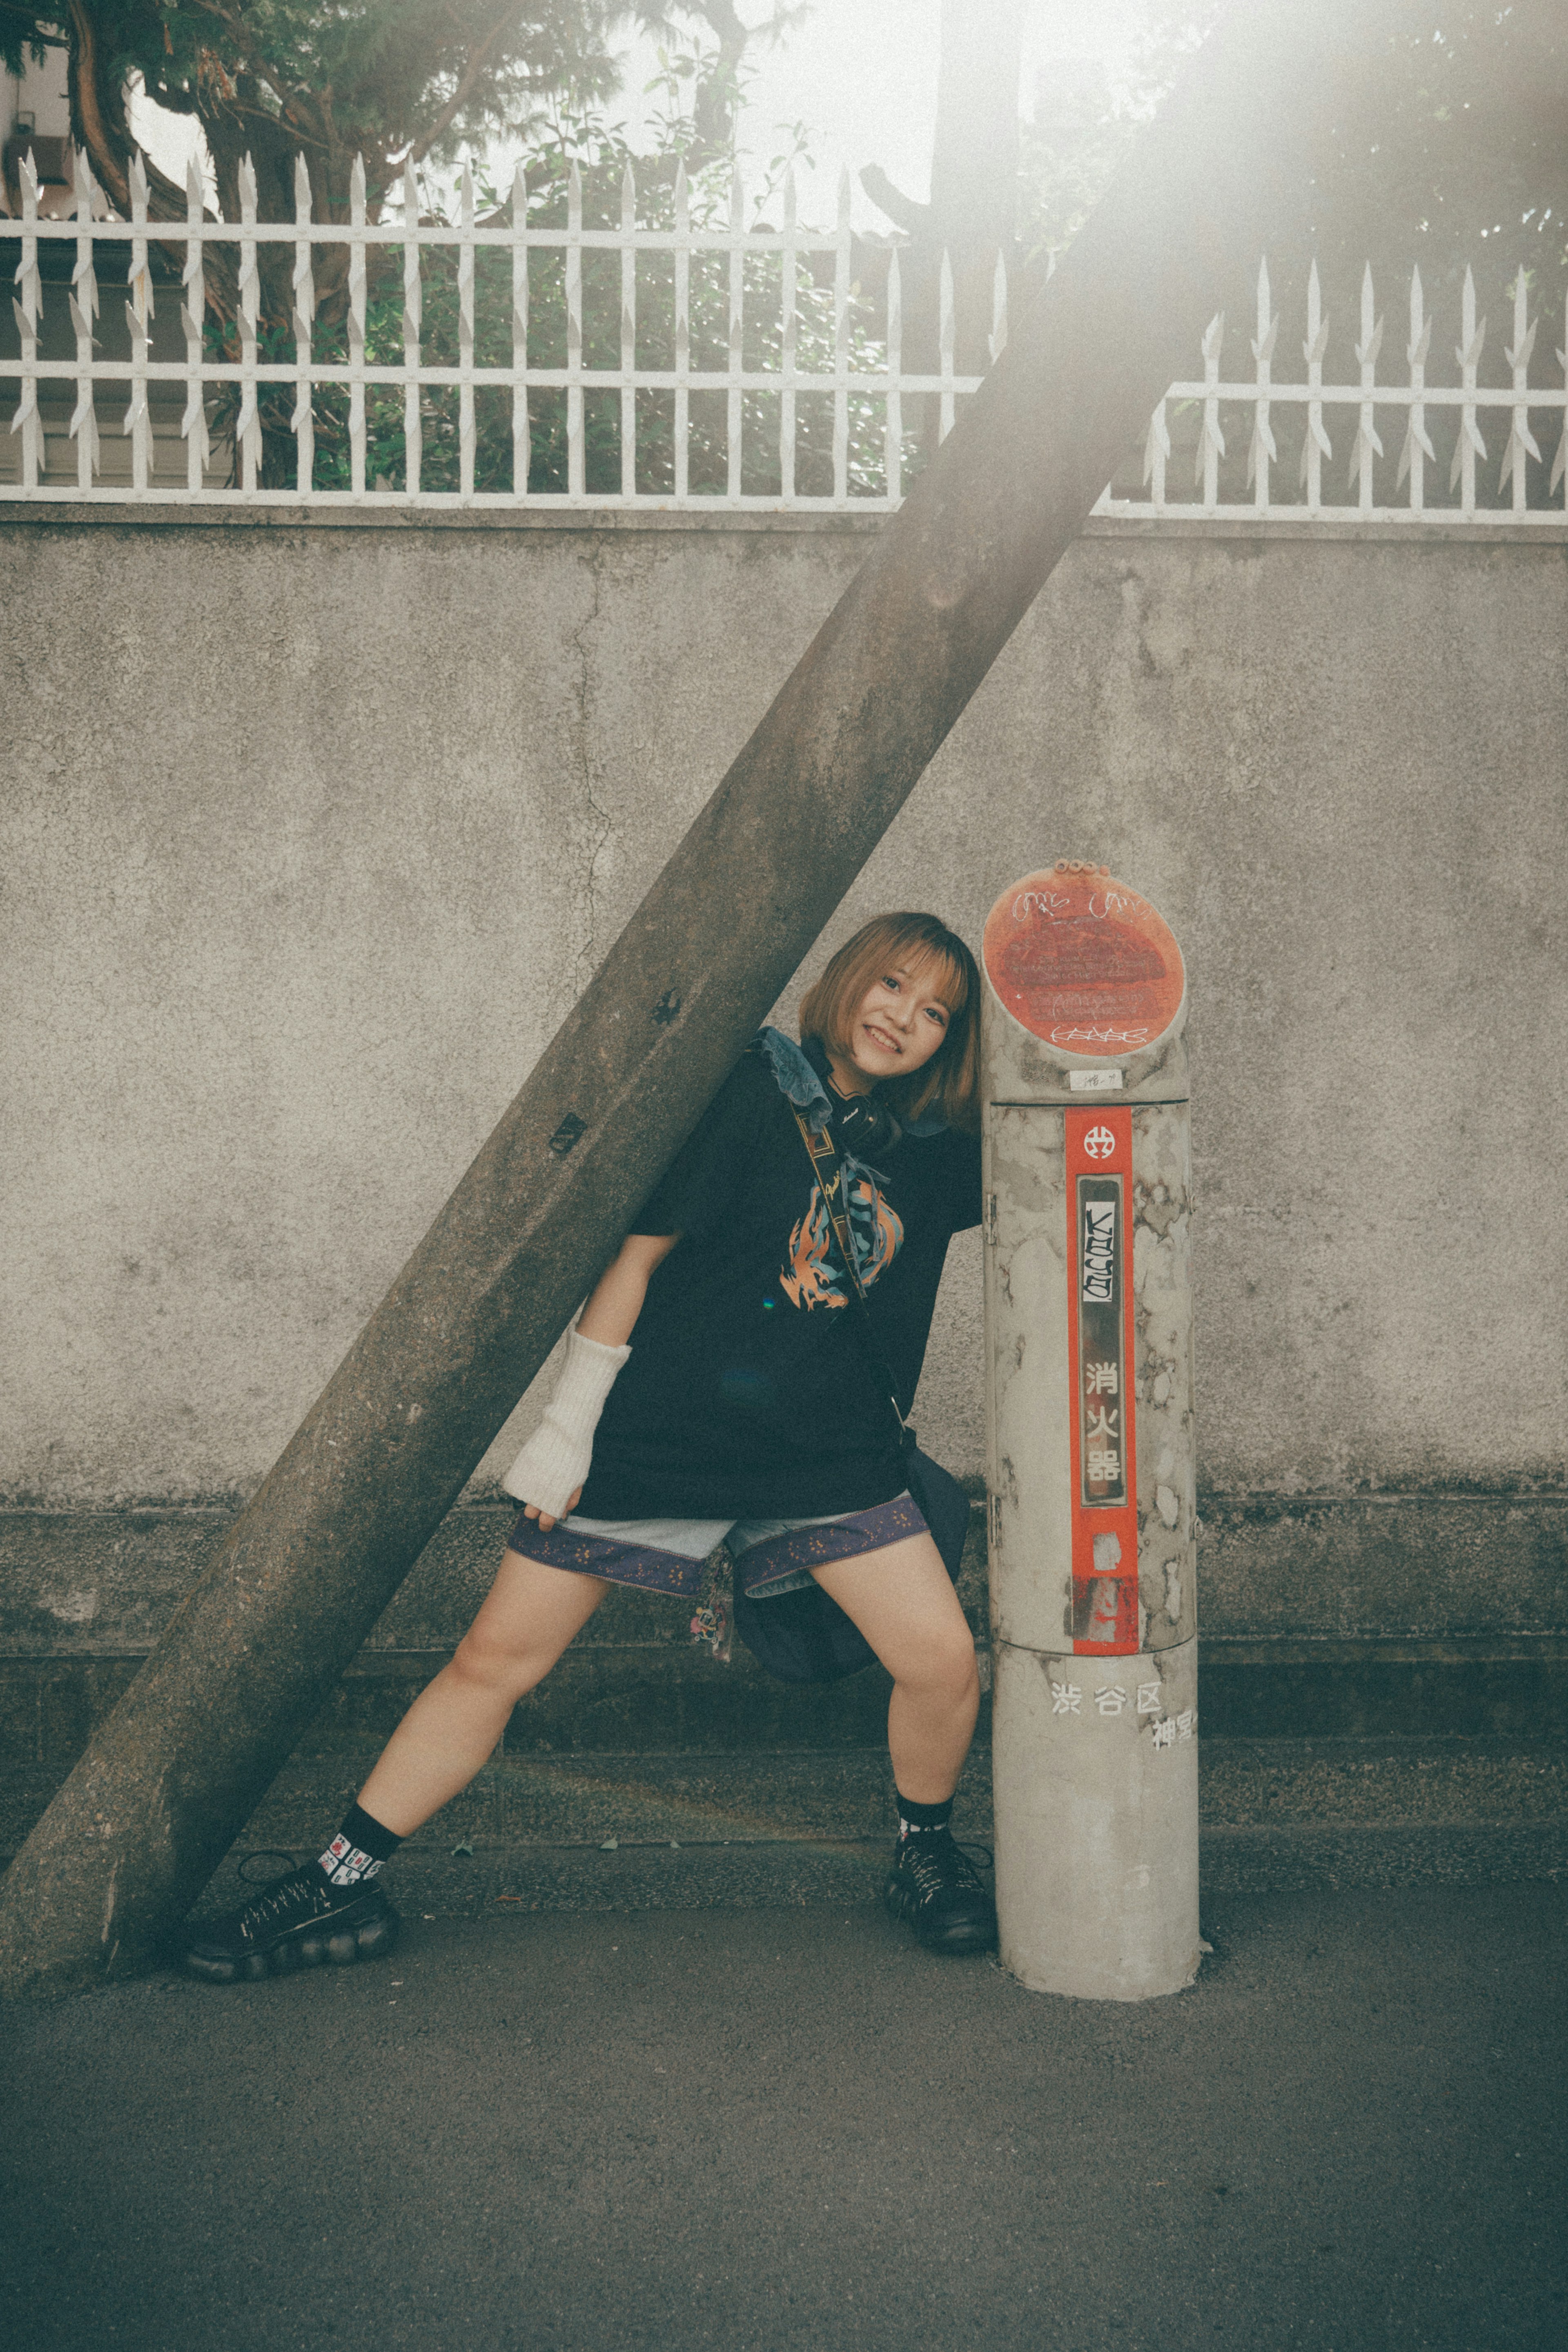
[[526, 1801], [606, 1830], [83, 1595], [783, 1873], [672, 1831], [665, 1695]]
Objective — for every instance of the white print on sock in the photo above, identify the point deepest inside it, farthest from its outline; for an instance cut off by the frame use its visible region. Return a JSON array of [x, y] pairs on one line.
[[350, 1873]]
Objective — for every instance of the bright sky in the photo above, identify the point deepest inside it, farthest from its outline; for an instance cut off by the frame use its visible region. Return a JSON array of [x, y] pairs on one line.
[[861, 74]]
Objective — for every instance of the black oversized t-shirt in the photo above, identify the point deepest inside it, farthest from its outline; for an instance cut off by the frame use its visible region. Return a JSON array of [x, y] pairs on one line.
[[747, 1393]]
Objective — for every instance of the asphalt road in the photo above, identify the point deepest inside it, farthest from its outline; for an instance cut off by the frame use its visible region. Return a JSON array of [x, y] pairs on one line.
[[771, 2129]]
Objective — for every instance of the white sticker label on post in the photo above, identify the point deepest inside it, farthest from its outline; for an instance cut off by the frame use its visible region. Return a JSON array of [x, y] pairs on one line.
[[1094, 1082]]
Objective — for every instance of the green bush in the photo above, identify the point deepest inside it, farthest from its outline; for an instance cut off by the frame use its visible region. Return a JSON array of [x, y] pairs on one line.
[[707, 436]]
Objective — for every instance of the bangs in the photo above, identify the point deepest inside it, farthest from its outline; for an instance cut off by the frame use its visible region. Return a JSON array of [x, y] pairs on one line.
[[947, 980]]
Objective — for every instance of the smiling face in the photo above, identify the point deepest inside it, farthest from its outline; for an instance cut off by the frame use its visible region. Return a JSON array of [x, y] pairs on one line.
[[898, 1024], [898, 1005]]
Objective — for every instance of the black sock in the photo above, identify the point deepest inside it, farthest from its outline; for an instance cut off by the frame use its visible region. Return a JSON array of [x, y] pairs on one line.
[[358, 1850], [922, 1820]]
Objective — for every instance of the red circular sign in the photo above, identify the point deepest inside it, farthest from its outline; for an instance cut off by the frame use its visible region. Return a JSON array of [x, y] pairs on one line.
[[1083, 962]]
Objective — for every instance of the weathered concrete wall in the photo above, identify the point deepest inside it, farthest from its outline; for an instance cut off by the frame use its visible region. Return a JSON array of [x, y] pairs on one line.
[[312, 834]]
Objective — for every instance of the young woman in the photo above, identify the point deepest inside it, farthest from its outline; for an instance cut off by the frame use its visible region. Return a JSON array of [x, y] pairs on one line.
[[715, 1390]]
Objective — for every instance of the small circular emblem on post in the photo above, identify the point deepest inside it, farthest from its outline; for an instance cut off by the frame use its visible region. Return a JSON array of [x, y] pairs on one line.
[[1084, 963], [1100, 1143]]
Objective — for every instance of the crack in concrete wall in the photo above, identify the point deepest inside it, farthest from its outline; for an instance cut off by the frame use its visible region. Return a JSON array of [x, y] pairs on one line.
[[600, 824]]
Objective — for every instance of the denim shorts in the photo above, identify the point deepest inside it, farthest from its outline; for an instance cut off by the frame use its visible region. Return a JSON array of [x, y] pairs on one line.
[[666, 1555]]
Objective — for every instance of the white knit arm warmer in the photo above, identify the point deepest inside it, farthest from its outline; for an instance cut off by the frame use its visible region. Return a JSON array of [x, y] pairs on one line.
[[554, 1463]]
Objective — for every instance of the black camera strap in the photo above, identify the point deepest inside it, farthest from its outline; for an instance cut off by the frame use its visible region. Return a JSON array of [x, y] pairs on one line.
[[936, 1494], [830, 1173]]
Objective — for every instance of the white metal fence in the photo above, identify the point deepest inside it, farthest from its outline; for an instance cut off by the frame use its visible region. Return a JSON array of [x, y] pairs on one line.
[[839, 394], [697, 364], [1225, 417]]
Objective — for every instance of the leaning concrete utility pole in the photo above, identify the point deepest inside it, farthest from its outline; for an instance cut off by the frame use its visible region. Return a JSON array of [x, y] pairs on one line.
[[170, 1778]]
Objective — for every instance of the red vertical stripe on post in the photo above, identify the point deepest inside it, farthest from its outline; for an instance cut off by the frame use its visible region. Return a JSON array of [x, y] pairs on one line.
[[1101, 1341]]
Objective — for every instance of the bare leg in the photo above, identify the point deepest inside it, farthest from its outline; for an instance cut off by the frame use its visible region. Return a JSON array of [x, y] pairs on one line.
[[902, 1602], [529, 1615]]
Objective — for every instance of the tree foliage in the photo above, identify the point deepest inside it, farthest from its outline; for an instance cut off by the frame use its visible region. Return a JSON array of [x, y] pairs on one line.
[[1458, 144], [392, 80], [1452, 155], [278, 78]]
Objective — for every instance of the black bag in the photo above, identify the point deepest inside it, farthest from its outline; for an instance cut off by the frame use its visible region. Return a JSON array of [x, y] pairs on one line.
[[804, 1636]]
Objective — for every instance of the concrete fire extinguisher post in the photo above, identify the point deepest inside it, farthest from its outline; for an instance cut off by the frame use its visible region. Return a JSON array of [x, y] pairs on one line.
[[1092, 1468]]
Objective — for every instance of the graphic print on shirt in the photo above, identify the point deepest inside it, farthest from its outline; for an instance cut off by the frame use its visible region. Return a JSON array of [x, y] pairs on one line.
[[814, 1275]]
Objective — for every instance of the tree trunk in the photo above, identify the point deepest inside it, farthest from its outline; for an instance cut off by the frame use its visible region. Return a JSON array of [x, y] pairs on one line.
[[975, 160], [971, 216]]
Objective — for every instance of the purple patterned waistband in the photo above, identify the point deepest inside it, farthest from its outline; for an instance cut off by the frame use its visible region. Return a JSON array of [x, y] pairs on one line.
[[622, 1561], [761, 1565]]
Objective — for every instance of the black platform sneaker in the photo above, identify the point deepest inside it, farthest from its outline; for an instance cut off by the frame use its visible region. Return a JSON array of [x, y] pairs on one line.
[[296, 1922], [934, 1886]]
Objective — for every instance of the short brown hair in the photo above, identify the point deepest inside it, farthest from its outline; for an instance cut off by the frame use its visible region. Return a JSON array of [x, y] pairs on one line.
[[949, 1082]]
